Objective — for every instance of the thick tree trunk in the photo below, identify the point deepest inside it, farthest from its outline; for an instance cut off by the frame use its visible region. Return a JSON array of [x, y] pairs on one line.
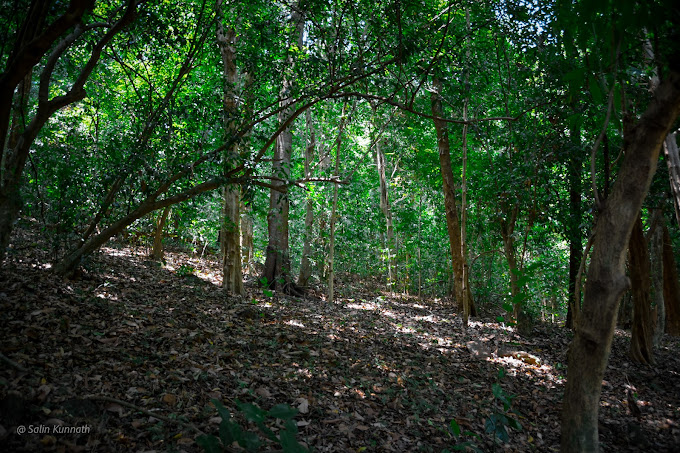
[[671, 286], [230, 232], [641, 286], [277, 262], [607, 279], [305, 262], [452, 219], [157, 252]]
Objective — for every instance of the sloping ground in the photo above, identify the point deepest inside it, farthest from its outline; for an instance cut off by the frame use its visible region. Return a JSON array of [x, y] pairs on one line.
[[134, 352]]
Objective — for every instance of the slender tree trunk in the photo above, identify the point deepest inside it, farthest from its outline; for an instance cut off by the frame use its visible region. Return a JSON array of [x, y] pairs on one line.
[[277, 263], [310, 151], [247, 243], [452, 219], [671, 286], [386, 209], [606, 282], [507, 230], [157, 252], [574, 224], [331, 254], [230, 232], [641, 285]]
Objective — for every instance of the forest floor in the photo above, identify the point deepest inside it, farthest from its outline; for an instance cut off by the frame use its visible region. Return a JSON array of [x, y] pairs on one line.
[[134, 351]]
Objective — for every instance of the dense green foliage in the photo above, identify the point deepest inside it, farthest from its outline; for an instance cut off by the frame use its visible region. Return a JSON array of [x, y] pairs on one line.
[[154, 111]]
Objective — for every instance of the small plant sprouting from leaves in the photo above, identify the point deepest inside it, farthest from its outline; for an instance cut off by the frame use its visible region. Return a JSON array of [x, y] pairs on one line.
[[185, 270], [231, 431]]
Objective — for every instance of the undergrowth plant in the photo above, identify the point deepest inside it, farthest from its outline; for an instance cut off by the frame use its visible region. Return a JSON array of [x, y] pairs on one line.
[[500, 419], [230, 431]]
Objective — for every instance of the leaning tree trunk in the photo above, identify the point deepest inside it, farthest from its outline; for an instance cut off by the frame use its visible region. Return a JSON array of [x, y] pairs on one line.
[[671, 286], [641, 286], [452, 220], [230, 232], [35, 41], [606, 282], [277, 262]]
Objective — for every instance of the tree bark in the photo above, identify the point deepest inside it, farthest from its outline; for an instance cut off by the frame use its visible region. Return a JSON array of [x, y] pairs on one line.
[[277, 262], [387, 212], [655, 243], [574, 226], [641, 285], [247, 243], [452, 219], [310, 151], [230, 233], [671, 286], [607, 280], [673, 161], [157, 252]]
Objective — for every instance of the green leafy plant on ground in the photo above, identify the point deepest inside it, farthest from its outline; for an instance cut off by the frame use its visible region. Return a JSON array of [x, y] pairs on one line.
[[231, 431], [501, 418]]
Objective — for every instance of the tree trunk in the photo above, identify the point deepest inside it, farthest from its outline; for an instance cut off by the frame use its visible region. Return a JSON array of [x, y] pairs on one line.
[[305, 262], [607, 279], [452, 220], [230, 232], [34, 42], [574, 227], [641, 286], [673, 160], [655, 242], [247, 243], [385, 208], [507, 230], [157, 252], [344, 119], [277, 263], [671, 286]]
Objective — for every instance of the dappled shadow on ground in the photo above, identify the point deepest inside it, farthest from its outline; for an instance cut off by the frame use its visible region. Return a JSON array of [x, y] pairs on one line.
[[372, 372]]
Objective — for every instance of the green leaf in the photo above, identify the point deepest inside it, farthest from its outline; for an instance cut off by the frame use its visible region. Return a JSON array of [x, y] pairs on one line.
[[223, 411], [230, 432], [282, 412], [251, 441], [595, 90], [455, 428], [290, 444], [252, 412], [209, 443]]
